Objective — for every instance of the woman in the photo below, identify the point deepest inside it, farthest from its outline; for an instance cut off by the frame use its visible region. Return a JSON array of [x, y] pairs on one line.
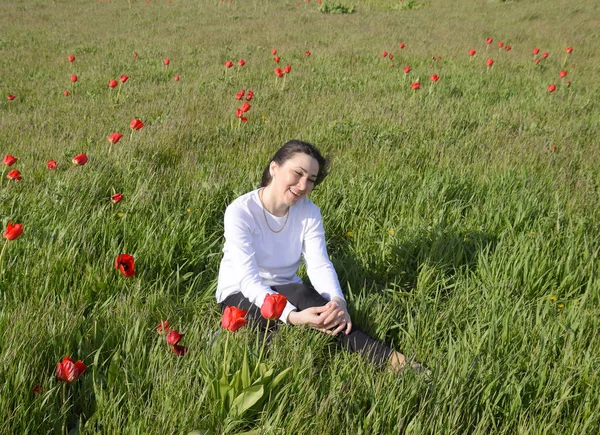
[[267, 231]]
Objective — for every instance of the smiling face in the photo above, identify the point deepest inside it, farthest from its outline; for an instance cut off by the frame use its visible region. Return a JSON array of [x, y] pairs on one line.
[[294, 179]]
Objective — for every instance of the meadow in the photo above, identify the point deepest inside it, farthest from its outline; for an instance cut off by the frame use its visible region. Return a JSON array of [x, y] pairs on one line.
[[462, 217]]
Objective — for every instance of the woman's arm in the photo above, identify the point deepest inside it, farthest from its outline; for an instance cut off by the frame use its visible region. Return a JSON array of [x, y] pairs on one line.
[[239, 247], [323, 276]]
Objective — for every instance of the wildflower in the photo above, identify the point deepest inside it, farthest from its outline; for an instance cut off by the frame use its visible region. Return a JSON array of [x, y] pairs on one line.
[[552, 88], [163, 327], [125, 264], [80, 160], [14, 175], [174, 337], [117, 197], [68, 370], [112, 84], [13, 231], [273, 306], [233, 318], [73, 78], [228, 64], [71, 58], [136, 124], [115, 137], [51, 164], [553, 298], [10, 160]]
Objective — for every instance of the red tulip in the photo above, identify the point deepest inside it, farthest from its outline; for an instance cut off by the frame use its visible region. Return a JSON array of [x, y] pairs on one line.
[[240, 94], [66, 93], [407, 69], [545, 54], [472, 52], [489, 41], [116, 198], [538, 60], [176, 78], [73, 78], [228, 64], [562, 74], [13, 231], [402, 45], [71, 58], [80, 160], [415, 85], [238, 113], [384, 54], [125, 264], [245, 107], [568, 84], [244, 120], [10, 160], [273, 306], [167, 61], [233, 318], [179, 350], [163, 327], [51, 164], [535, 51], [11, 97], [391, 56], [277, 59], [135, 55], [569, 49], [115, 137], [69, 370], [124, 78], [112, 84], [241, 62], [174, 337], [307, 53], [489, 62], [507, 48], [287, 69], [500, 44], [249, 95], [14, 175], [136, 124], [278, 72], [434, 77], [552, 88], [274, 51]]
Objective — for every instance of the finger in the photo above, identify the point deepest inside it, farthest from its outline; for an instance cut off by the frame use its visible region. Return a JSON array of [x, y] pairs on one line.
[[318, 310], [332, 317], [348, 327], [339, 329]]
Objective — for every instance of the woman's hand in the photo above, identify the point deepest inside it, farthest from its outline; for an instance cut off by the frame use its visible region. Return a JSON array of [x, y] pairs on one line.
[[337, 318], [312, 316]]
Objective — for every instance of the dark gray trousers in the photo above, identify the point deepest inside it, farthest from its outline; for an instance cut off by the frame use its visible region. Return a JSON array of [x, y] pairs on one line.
[[303, 296]]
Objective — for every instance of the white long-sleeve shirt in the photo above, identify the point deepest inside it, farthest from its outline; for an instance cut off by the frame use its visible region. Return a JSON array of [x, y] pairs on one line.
[[255, 258]]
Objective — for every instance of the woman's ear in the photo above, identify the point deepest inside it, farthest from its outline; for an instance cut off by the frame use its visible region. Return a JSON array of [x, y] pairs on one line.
[[272, 168]]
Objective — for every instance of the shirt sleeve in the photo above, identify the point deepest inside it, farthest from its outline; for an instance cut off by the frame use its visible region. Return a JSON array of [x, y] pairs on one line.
[[238, 242], [318, 266]]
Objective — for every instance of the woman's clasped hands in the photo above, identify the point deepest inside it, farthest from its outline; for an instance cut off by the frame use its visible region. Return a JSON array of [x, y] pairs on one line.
[[331, 318]]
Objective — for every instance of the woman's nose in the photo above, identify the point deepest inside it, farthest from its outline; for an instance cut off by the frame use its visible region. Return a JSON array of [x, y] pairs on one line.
[[302, 184]]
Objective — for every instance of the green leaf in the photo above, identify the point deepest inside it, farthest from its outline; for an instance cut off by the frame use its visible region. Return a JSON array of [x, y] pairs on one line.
[[114, 370], [249, 397], [245, 372], [223, 387], [279, 378]]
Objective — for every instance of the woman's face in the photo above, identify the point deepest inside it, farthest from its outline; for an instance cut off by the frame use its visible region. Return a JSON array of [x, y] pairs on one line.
[[295, 178]]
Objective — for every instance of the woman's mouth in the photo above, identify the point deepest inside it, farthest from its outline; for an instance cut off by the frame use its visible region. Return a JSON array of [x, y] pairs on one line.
[[295, 193]]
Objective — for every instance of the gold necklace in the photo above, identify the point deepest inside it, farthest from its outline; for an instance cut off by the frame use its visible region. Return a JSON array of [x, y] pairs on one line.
[[265, 213]]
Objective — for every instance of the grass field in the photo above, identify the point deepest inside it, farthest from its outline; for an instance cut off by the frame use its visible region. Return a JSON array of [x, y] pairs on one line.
[[462, 217]]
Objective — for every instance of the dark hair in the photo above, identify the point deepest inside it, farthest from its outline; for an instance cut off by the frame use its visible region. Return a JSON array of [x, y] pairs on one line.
[[287, 151]]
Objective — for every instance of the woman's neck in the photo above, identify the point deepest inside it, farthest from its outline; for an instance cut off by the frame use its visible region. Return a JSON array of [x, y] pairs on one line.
[[270, 203]]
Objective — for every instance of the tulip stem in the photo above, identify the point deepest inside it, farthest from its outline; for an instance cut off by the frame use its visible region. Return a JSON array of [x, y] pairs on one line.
[[262, 348], [225, 355], [2, 252]]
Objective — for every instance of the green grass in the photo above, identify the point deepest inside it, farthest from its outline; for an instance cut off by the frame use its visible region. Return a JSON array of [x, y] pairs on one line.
[[452, 213]]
